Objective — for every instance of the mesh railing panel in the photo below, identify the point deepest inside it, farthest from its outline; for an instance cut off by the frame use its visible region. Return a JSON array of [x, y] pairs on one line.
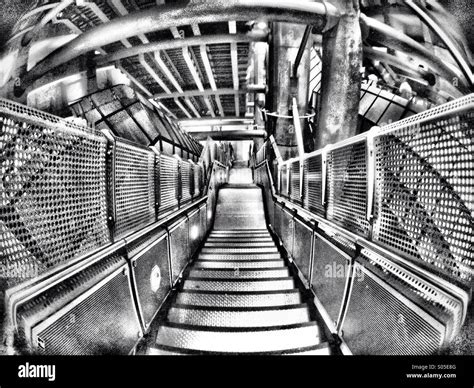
[[53, 194], [134, 188], [347, 187], [424, 194], [295, 182], [168, 183], [186, 175], [314, 185]]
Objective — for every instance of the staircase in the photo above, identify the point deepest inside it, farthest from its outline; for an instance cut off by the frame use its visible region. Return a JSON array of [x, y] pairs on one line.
[[238, 296]]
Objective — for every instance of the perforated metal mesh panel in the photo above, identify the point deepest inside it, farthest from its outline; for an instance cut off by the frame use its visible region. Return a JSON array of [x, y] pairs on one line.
[[295, 182], [380, 320], [329, 273], [186, 176], [152, 277], [77, 315], [440, 304], [179, 240], [134, 188], [347, 187], [302, 248], [424, 194], [53, 204], [168, 183], [313, 197], [34, 310], [95, 324]]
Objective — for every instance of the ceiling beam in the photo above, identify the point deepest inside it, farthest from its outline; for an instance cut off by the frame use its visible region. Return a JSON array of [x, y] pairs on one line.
[[135, 81], [189, 63], [197, 80], [205, 121], [167, 72], [160, 82], [206, 93], [171, 44], [323, 16], [156, 77], [235, 66], [208, 68], [243, 134]]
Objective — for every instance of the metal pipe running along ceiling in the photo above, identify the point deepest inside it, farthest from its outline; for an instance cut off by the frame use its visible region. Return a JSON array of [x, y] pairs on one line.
[[322, 16]]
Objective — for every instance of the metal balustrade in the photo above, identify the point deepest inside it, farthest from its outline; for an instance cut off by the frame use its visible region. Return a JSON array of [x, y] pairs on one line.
[[72, 196], [400, 195]]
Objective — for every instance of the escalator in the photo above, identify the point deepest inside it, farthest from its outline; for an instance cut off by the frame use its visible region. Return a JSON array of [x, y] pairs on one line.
[[239, 295]]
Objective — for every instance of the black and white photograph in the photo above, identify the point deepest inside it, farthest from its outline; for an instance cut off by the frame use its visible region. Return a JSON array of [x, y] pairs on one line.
[[223, 178]]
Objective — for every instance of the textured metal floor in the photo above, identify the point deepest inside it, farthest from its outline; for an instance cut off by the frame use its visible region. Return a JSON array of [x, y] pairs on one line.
[[239, 297]]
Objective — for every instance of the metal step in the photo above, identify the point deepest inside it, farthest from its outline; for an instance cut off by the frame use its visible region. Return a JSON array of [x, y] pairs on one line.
[[239, 317], [223, 285], [239, 299], [239, 257], [239, 244], [237, 340], [243, 237], [323, 349], [250, 250], [236, 232], [239, 273], [239, 239], [233, 234], [233, 264]]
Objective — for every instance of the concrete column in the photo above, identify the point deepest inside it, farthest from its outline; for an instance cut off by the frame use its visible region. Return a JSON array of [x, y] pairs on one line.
[[284, 45], [341, 77]]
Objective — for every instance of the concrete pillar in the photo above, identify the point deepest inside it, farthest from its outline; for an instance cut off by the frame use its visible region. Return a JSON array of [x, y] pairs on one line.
[[341, 77], [285, 42]]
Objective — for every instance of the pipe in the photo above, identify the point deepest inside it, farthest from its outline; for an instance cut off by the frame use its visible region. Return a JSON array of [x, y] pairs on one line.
[[397, 40], [302, 48], [46, 19], [322, 16], [397, 62], [458, 57]]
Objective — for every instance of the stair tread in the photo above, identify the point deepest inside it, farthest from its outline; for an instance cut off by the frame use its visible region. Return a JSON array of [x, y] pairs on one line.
[[239, 299], [238, 273], [249, 250], [251, 318], [216, 264], [239, 257], [238, 340], [239, 284], [320, 349], [243, 244]]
